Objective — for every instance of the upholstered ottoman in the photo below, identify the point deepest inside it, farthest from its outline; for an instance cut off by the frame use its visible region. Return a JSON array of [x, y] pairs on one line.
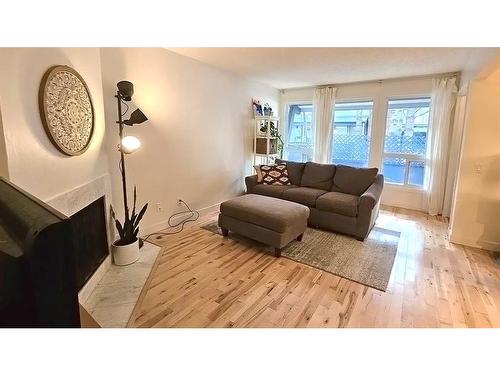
[[272, 221]]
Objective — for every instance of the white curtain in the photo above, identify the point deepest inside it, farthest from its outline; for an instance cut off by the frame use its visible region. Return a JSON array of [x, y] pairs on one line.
[[323, 104], [443, 99], [454, 157]]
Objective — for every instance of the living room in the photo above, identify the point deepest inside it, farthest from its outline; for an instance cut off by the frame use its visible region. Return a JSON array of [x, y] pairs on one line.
[[248, 187]]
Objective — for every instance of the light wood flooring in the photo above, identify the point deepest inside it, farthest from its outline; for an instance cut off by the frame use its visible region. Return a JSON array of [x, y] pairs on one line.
[[204, 280]]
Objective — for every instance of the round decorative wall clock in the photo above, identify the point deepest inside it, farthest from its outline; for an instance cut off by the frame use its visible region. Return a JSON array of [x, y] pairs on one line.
[[66, 109]]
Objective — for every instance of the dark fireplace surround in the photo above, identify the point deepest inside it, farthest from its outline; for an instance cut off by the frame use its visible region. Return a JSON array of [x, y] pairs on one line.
[[90, 239]]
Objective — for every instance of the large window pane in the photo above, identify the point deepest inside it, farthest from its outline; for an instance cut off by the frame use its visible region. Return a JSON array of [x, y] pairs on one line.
[[394, 170], [416, 171], [407, 125], [300, 135], [352, 133], [405, 142]]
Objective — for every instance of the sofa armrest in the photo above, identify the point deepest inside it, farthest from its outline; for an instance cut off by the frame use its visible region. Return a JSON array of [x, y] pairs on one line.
[[250, 182], [370, 198], [368, 207]]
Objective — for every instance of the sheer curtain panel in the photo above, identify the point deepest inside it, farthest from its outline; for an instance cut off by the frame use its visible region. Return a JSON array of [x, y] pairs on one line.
[[443, 100], [323, 104]]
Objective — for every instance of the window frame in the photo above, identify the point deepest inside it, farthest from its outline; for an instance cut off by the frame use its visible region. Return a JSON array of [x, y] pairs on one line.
[[353, 100], [408, 157], [284, 124]]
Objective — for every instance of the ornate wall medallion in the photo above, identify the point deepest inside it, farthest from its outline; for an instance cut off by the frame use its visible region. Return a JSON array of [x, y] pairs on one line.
[[66, 109]]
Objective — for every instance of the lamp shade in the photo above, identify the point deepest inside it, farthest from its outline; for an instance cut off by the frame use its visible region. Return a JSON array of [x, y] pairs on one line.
[[130, 144], [125, 90], [136, 117]]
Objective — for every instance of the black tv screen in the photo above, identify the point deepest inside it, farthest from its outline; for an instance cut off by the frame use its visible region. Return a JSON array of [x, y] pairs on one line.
[[90, 240]]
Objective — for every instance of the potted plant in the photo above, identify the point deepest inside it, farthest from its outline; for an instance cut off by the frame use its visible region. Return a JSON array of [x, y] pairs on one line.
[[126, 248], [268, 111]]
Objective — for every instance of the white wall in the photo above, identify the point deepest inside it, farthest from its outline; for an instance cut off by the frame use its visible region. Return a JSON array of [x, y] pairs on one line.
[[33, 162], [379, 93], [197, 143], [485, 64], [475, 219]]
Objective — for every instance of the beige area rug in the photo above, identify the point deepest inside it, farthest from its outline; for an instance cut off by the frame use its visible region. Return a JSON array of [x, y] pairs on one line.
[[369, 262]]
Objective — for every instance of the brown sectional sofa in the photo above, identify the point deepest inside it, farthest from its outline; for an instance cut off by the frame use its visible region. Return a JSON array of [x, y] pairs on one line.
[[340, 198]]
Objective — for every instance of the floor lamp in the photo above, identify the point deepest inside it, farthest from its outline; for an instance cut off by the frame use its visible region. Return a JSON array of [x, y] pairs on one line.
[[128, 144]]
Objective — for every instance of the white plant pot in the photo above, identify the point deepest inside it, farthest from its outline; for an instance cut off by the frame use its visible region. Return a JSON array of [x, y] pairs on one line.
[[126, 254]]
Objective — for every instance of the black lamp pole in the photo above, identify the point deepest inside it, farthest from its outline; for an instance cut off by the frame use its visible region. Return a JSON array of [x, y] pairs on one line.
[[122, 156]]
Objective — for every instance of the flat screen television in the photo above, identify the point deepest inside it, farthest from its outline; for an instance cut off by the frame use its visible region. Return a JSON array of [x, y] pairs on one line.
[[38, 287]]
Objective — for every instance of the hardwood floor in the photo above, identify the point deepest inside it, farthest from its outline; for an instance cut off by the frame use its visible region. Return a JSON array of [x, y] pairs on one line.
[[205, 280]]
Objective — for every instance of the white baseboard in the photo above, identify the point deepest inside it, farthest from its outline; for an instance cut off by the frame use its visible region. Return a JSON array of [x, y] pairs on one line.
[[164, 223], [474, 242]]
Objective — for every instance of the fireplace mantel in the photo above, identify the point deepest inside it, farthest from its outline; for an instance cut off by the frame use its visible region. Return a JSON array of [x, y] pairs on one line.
[[76, 199]]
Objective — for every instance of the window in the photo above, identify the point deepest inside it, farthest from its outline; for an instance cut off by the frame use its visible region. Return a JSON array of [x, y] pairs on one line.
[[352, 133], [300, 137], [405, 142]]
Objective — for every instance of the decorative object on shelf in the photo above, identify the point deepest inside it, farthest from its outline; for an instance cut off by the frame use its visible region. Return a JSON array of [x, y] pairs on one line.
[[273, 128], [267, 140], [261, 146], [276, 142], [66, 109], [268, 111], [126, 248], [257, 107]]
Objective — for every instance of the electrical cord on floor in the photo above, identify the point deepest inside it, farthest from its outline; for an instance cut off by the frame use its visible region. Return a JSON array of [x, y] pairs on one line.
[[179, 227]]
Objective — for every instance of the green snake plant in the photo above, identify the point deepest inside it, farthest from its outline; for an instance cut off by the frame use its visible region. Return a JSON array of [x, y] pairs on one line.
[[130, 229]]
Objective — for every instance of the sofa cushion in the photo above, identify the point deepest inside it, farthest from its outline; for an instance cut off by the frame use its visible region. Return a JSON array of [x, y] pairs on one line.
[[339, 203], [275, 191], [303, 195], [295, 170], [352, 180], [318, 176]]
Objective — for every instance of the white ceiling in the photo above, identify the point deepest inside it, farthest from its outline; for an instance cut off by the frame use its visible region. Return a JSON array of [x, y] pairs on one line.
[[298, 67]]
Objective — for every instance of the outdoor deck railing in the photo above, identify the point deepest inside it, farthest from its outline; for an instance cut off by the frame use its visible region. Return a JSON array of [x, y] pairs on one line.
[[354, 150]]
